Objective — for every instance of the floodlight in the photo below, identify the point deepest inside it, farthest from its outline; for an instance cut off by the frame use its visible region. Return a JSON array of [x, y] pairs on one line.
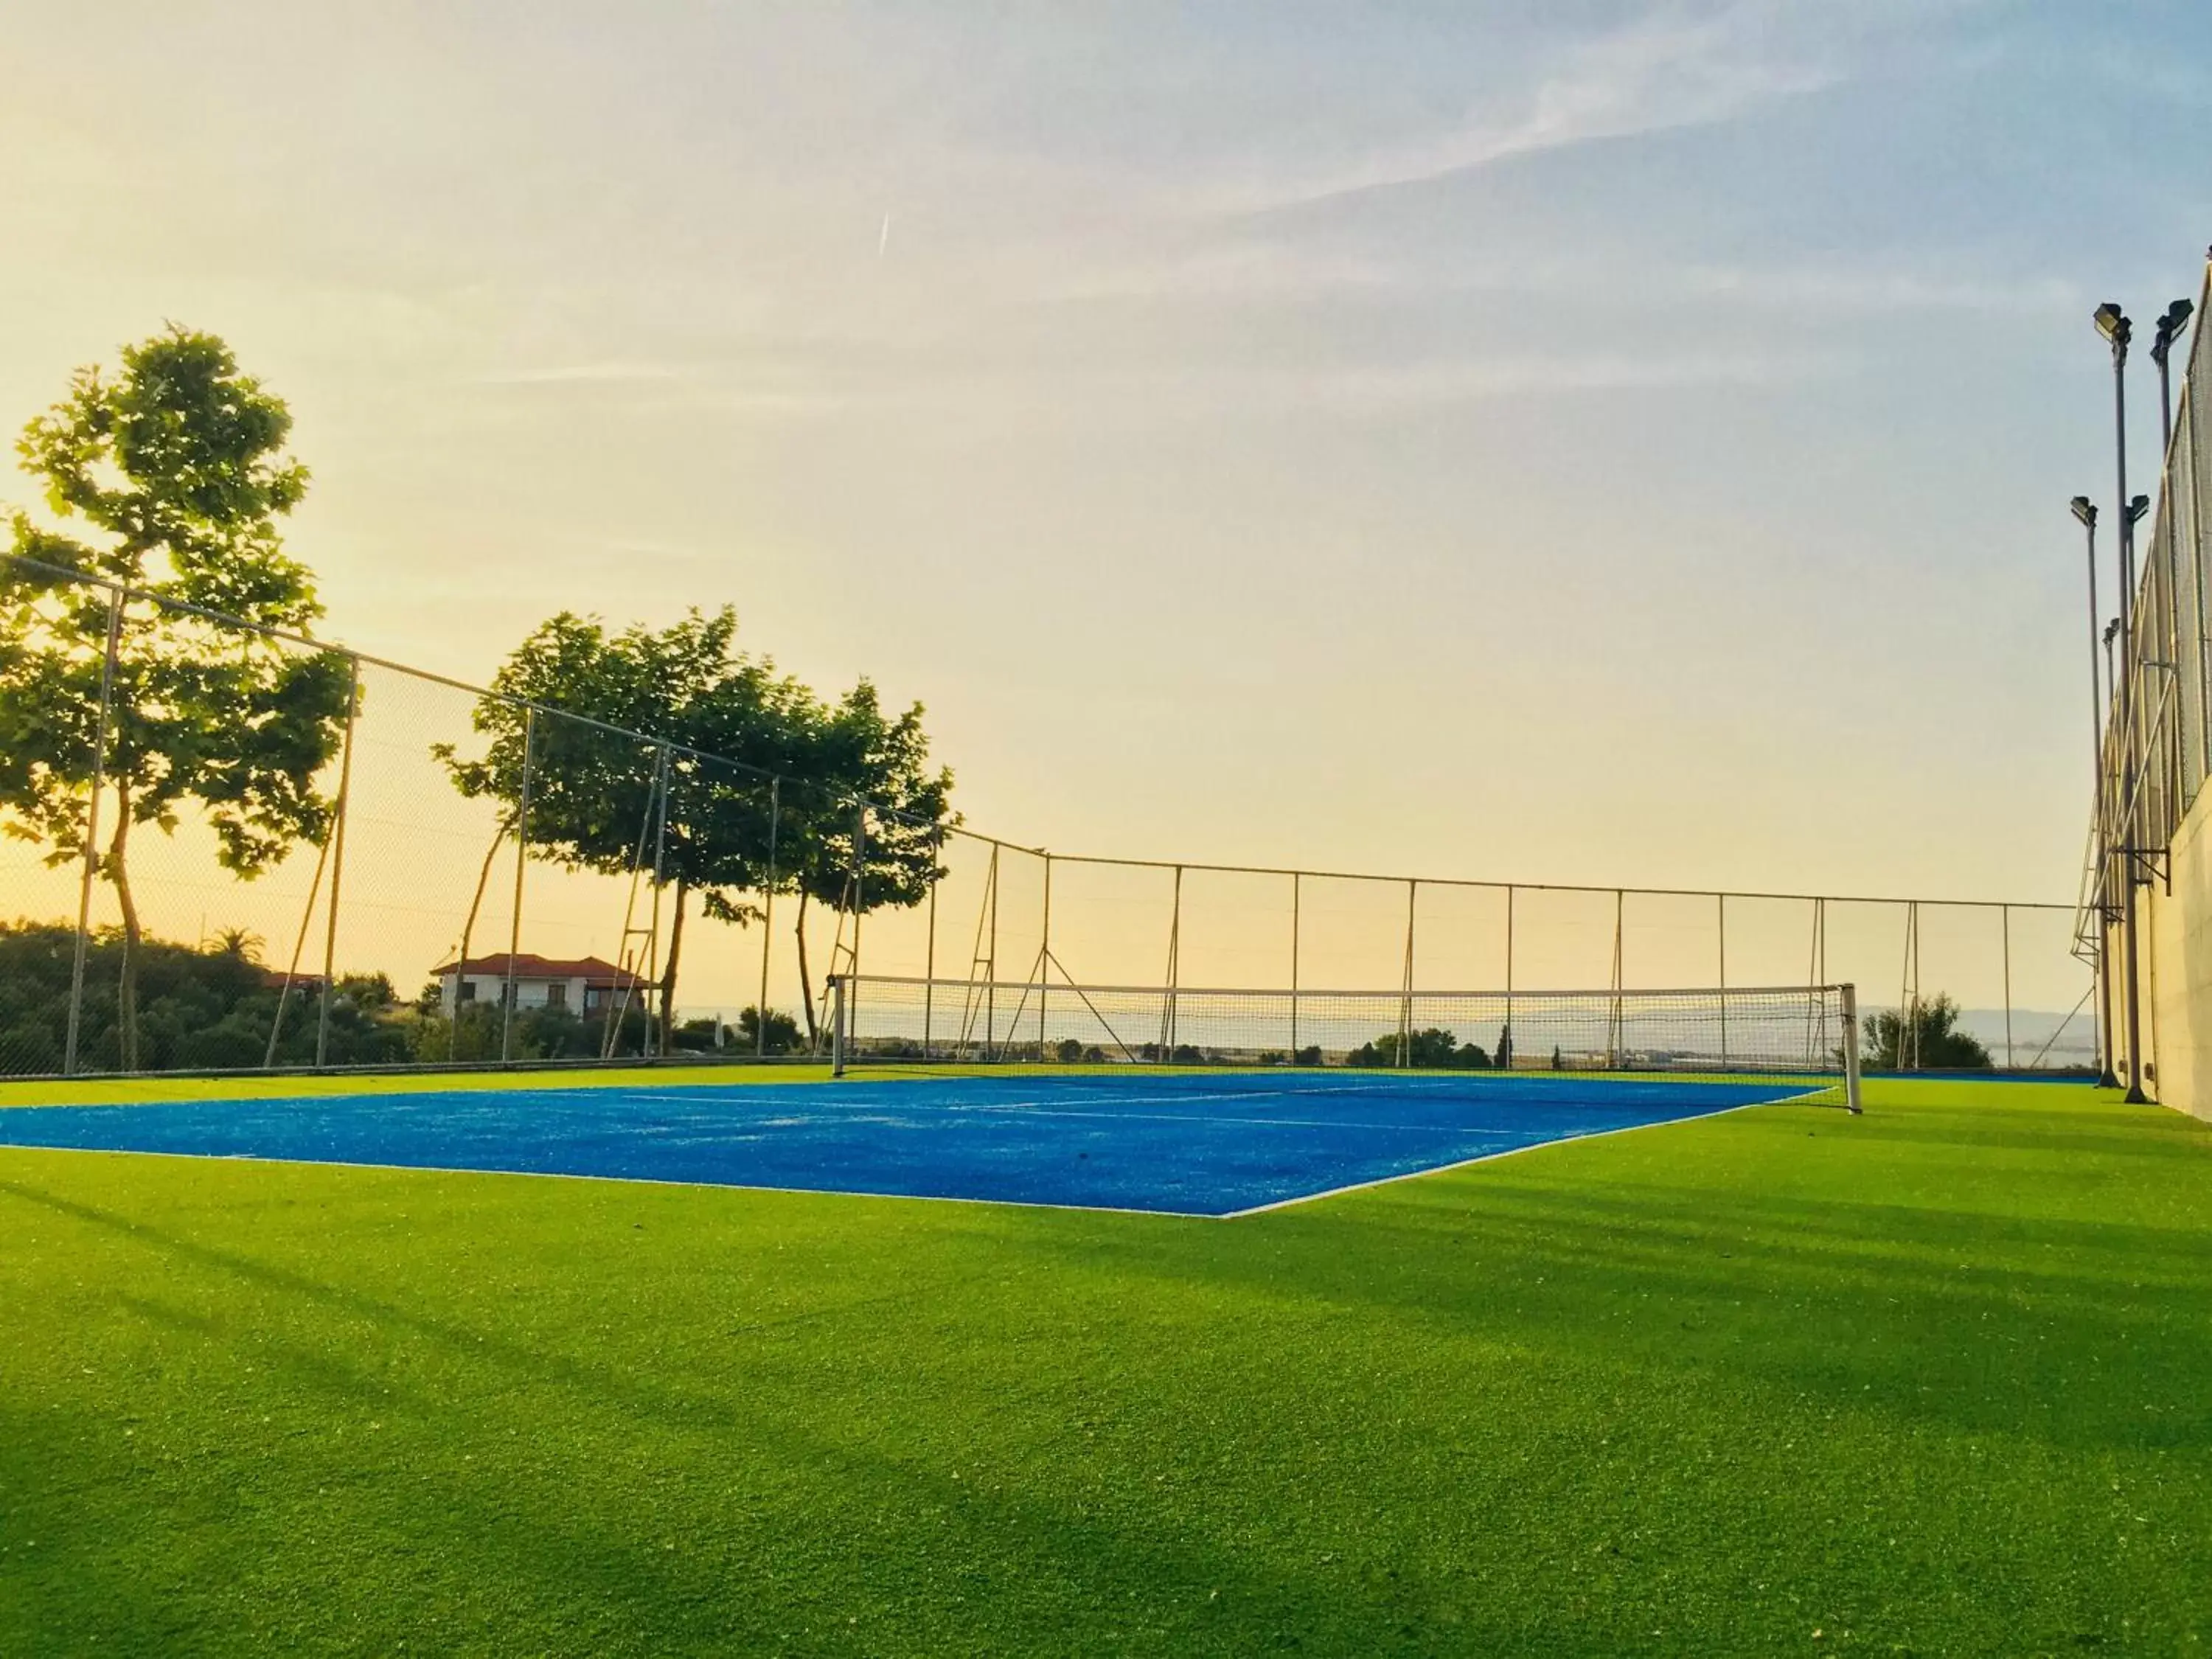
[[2137, 507], [2085, 510], [2112, 323]]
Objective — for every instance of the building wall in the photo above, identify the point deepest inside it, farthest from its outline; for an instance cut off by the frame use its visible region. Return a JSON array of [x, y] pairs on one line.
[[2173, 949], [528, 992]]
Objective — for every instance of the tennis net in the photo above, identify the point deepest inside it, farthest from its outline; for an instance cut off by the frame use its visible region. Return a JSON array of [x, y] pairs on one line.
[[1794, 1031]]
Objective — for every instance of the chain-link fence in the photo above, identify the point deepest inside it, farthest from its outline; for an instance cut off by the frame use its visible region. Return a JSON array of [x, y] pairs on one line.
[[375, 867]]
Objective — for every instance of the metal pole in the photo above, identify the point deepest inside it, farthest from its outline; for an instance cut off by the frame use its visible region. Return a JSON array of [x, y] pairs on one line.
[[852, 993], [1722, 897], [651, 1043], [991, 965], [337, 874], [2004, 915], [1852, 1100], [1507, 1043], [768, 917], [1405, 1001], [1044, 955], [1175, 946], [2132, 1008], [836, 1025], [92, 835], [1613, 1024], [521, 863], [929, 956], [2086, 511], [1295, 884]]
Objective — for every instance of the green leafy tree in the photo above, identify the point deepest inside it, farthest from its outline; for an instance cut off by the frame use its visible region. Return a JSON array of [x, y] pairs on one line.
[[169, 478], [595, 796], [856, 859], [782, 1038], [1432, 1049], [1924, 1036]]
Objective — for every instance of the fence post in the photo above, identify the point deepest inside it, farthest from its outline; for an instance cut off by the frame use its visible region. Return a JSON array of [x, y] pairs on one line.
[[1044, 956], [1722, 898], [92, 833], [2004, 915], [1295, 882], [338, 875], [851, 990], [767, 918], [1175, 946], [654, 1044], [929, 955], [1505, 1040], [836, 1025], [1615, 1034], [991, 965], [521, 863], [1406, 991]]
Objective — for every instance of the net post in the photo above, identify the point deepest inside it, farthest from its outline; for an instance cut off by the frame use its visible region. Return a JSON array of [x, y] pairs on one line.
[[836, 1025], [91, 833], [337, 874], [1296, 880], [1853, 1100]]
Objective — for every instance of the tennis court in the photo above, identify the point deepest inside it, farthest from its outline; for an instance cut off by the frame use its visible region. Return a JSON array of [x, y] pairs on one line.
[[1215, 1144]]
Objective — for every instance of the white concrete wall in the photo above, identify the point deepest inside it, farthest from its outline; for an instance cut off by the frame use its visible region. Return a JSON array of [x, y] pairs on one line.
[[2173, 960], [489, 988]]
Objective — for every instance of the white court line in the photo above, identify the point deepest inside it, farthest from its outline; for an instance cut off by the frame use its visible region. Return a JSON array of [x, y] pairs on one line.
[[1488, 1157]]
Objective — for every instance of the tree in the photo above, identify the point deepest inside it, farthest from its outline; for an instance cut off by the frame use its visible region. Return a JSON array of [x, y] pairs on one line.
[[853, 858], [1924, 1036], [604, 800], [168, 477], [782, 1032], [1430, 1049]]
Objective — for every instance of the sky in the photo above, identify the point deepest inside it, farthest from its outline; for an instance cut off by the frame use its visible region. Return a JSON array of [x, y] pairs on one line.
[[1583, 442]]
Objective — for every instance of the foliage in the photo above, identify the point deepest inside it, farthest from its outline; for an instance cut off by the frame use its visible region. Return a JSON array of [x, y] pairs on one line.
[[168, 477], [782, 1035], [853, 859], [597, 798], [205, 1009], [1924, 1035], [1432, 1049]]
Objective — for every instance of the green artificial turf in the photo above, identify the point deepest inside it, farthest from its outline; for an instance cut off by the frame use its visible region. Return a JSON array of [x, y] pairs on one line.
[[1937, 1380]]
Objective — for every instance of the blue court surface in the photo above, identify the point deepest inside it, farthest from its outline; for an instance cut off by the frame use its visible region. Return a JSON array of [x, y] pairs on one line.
[[1200, 1145]]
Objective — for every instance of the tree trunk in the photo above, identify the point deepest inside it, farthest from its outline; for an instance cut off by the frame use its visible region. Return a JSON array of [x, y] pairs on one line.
[[468, 929], [805, 983], [126, 995], [668, 975]]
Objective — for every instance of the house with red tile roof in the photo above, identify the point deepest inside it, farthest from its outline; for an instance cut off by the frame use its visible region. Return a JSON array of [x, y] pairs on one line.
[[586, 986]]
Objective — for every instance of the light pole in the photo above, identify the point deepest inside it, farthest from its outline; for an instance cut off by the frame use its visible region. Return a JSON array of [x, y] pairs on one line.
[[2086, 511], [2169, 331], [2113, 324]]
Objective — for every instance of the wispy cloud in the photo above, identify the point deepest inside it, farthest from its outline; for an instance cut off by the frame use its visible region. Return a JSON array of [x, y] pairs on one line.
[[1666, 70]]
